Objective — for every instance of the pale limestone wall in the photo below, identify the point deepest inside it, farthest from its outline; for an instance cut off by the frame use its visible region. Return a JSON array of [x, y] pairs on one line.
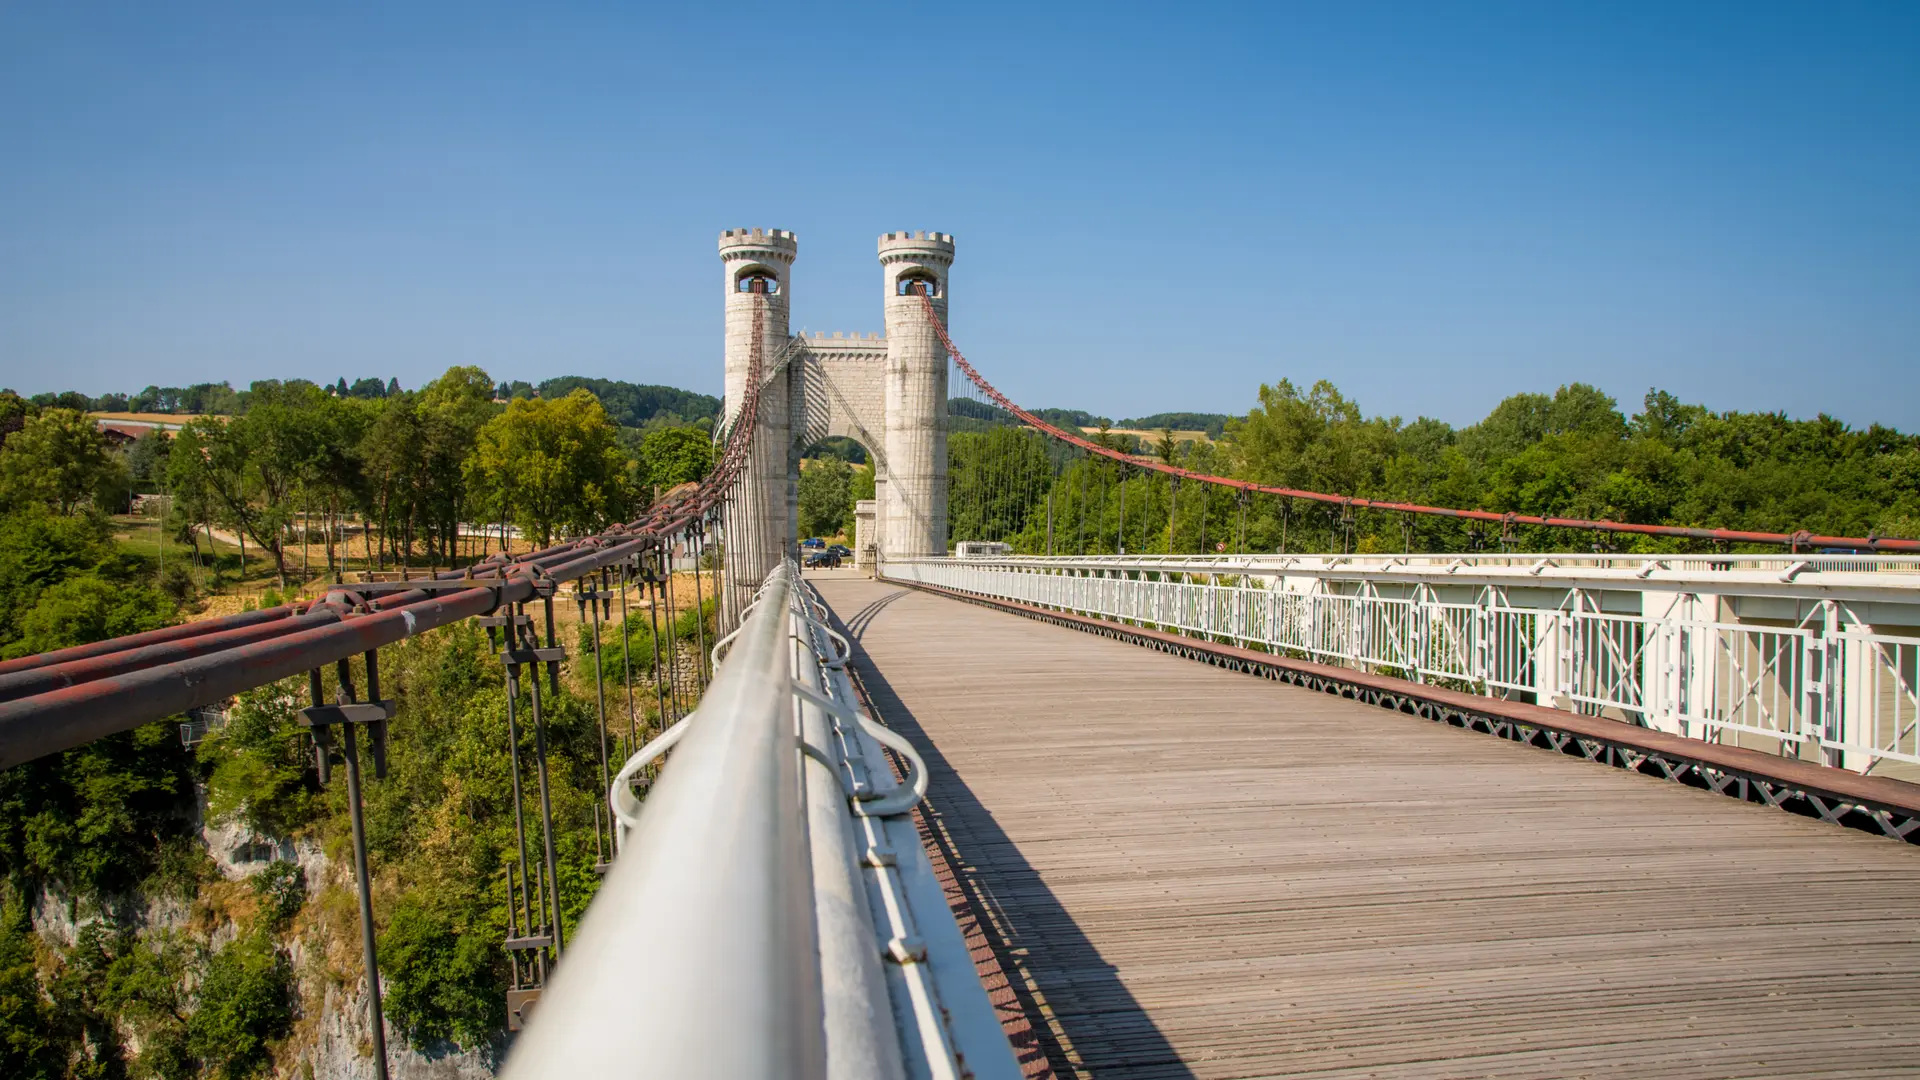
[[760, 525], [838, 388], [863, 530], [887, 393], [915, 512]]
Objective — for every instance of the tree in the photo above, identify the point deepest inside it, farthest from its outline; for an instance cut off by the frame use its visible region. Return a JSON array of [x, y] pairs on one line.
[[252, 466], [87, 608], [824, 488], [29, 1049], [672, 456], [556, 463], [59, 459], [15, 411], [147, 456], [244, 1002]]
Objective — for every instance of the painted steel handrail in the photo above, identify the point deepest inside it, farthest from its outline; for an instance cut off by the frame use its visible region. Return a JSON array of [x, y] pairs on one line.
[[698, 957], [771, 912]]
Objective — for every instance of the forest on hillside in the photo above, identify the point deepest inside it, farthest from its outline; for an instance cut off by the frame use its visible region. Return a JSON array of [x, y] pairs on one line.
[[1573, 453], [125, 949], [632, 405]]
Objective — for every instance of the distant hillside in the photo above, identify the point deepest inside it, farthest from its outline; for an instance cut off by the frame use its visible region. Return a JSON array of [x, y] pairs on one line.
[[635, 404], [1214, 424], [1079, 418]]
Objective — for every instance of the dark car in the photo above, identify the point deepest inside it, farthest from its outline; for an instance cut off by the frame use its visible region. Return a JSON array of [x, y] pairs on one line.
[[821, 559], [841, 550], [813, 542]]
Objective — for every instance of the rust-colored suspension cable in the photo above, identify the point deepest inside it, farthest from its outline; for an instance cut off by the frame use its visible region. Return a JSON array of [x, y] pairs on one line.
[[1796, 540]]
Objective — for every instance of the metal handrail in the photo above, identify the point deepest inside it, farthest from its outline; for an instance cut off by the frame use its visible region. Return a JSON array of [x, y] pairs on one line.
[[771, 912], [698, 958]]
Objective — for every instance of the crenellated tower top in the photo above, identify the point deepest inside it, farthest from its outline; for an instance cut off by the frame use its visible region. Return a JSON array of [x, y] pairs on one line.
[[778, 245], [933, 247], [913, 262]]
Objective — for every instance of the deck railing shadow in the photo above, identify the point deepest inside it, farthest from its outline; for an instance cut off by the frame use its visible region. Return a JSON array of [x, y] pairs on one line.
[[1084, 1020]]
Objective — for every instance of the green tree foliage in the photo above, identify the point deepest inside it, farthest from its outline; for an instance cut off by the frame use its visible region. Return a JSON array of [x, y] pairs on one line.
[[637, 406], [1572, 453], [258, 769], [147, 458], [1070, 418], [443, 984], [671, 456], [201, 398], [95, 819], [85, 609], [243, 1004], [60, 459], [825, 496], [15, 411], [997, 479], [554, 464], [29, 1046], [1213, 424], [39, 550], [251, 467]]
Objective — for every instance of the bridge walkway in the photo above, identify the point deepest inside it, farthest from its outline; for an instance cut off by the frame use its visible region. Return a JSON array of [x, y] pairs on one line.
[[1188, 872]]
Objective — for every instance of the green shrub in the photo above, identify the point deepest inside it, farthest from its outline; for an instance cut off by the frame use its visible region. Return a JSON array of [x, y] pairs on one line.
[[441, 983], [281, 888], [259, 764], [245, 1002], [29, 1046], [95, 818]]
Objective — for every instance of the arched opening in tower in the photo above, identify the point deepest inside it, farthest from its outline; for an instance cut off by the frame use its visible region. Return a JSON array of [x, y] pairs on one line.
[[757, 280], [917, 285]]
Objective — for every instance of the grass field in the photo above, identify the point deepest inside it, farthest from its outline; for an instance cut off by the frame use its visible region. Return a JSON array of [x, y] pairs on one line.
[[224, 586], [1152, 438], [145, 417]]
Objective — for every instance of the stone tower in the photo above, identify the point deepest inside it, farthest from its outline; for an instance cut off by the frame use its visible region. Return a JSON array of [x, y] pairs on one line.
[[914, 516], [887, 393], [758, 264]]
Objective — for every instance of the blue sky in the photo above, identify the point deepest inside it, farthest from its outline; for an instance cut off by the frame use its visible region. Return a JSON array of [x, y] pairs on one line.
[[1432, 205]]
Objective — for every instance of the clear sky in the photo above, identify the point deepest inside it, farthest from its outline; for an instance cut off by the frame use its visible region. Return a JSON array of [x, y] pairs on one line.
[[1434, 205]]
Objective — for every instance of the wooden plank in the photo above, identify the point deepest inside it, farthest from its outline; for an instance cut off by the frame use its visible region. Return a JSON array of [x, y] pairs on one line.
[[1186, 872]]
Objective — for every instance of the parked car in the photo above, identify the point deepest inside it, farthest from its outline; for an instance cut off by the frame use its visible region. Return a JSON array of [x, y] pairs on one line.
[[841, 550], [821, 559], [813, 542]]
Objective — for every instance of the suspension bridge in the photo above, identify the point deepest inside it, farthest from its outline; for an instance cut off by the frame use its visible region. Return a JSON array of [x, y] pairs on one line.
[[1147, 802]]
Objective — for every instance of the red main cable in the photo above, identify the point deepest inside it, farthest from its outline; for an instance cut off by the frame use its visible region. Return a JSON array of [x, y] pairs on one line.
[[1796, 540]]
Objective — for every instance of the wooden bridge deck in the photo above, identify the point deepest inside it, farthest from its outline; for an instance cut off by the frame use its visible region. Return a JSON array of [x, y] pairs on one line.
[[1190, 872]]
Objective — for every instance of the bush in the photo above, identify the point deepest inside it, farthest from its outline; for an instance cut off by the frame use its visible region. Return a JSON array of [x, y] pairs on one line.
[[441, 984], [281, 888], [260, 763], [176, 583], [95, 818], [28, 1047], [245, 1003], [85, 609]]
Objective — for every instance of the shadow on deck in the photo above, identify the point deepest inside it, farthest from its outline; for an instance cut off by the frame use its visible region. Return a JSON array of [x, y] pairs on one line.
[[1083, 1019]]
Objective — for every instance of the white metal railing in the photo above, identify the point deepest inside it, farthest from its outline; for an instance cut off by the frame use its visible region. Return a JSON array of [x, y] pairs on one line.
[[1829, 677], [771, 912]]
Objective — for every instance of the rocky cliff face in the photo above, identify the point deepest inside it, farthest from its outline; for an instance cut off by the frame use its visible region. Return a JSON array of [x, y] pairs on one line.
[[331, 1037]]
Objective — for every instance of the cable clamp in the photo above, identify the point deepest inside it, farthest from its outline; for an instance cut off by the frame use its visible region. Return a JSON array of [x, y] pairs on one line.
[[872, 804]]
